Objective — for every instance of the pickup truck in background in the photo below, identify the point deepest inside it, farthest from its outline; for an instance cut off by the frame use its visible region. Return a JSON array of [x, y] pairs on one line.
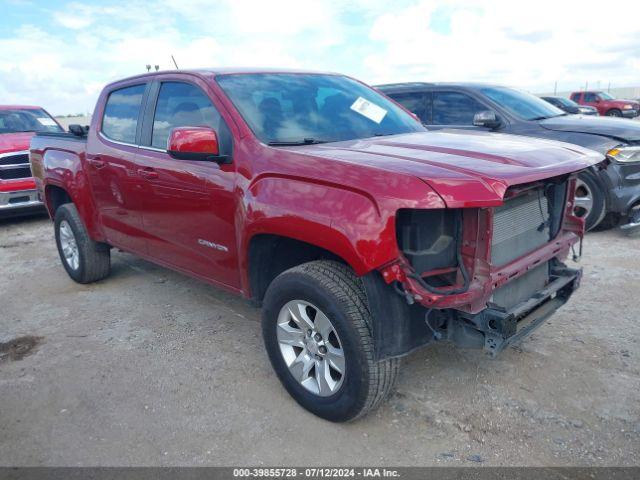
[[607, 194], [362, 235], [18, 123], [606, 104]]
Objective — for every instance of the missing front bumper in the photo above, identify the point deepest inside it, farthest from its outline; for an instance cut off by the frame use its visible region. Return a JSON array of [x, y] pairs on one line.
[[494, 329]]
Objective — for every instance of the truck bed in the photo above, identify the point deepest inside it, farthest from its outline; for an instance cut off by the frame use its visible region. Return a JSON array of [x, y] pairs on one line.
[[53, 154], [43, 142]]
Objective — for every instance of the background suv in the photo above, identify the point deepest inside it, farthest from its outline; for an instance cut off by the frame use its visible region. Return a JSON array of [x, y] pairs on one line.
[[606, 104], [605, 196]]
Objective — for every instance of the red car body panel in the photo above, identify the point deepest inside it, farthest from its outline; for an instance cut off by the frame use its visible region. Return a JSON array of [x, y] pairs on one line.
[[200, 217], [13, 142]]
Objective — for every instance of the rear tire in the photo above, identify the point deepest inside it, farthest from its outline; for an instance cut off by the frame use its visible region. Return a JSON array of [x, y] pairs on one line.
[[327, 291], [590, 202], [614, 112], [84, 260]]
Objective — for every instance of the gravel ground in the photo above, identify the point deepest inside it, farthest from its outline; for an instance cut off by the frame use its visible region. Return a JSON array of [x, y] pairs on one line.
[[150, 367]]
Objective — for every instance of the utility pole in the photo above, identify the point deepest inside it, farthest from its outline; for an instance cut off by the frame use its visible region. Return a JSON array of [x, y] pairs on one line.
[[555, 88]]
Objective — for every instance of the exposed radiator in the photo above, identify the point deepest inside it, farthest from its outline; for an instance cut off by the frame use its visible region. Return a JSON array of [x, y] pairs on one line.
[[520, 226], [522, 288]]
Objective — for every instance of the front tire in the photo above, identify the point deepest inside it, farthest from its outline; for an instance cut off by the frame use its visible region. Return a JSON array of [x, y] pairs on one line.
[[589, 202], [316, 327], [84, 260], [614, 112]]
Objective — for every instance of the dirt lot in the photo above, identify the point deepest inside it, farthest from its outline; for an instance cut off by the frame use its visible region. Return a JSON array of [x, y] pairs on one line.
[[152, 368]]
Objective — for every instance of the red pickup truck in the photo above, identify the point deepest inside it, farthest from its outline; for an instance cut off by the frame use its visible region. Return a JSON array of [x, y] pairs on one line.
[[362, 235], [606, 104], [18, 123]]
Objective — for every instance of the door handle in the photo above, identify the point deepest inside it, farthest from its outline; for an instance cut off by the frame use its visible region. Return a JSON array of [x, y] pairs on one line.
[[148, 173], [97, 162]]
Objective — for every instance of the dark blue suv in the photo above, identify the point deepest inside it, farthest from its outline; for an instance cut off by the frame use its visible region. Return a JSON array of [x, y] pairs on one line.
[[605, 196]]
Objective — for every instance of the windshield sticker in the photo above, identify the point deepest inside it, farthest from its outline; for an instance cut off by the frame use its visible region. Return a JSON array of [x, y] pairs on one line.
[[367, 109], [47, 122]]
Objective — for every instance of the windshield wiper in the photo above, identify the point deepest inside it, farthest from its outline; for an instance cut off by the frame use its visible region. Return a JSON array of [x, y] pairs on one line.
[[304, 141]]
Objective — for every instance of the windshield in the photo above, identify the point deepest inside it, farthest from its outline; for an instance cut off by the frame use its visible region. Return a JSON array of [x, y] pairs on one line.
[[605, 96], [522, 104], [313, 108], [566, 102], [27, 120]]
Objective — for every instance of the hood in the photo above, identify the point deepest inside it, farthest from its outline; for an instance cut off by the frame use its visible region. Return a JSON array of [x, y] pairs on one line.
[[15, 142], [465, 168], [620, 101], [618, 128]]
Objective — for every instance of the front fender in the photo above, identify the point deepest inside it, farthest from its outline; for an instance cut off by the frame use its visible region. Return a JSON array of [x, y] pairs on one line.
[[348, 222]]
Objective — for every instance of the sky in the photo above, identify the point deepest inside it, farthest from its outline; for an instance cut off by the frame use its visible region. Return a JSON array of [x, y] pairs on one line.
[[59, 54]]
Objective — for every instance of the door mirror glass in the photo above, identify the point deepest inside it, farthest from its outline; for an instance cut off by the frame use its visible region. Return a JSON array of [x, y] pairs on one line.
[[194, 143], [487, 119]]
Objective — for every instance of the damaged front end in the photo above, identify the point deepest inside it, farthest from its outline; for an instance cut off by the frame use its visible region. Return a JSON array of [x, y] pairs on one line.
[[479, 277]]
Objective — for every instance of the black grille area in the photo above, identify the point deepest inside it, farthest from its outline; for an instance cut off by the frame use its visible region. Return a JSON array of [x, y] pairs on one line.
[[15, 166], [14, 159]]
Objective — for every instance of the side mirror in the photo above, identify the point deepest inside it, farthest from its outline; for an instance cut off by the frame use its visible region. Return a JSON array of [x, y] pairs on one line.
[[195, 143], [78, 130], [487, 119], [597, 100]]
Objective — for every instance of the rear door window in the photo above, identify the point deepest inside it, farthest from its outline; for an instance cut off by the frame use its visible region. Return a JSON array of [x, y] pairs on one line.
[[454, 108], [415, 102], [590, 97], [120, 119]]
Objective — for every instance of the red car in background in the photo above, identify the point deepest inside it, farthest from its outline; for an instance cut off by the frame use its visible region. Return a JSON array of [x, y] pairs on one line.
[[607, 104], [18, 123]]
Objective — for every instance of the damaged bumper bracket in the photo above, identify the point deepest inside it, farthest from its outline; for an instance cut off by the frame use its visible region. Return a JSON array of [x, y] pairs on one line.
[[500, 328]]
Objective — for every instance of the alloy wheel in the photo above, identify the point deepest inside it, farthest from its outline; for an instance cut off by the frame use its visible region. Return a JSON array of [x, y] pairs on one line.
[[583, 202], [311, 348], [69, 245]]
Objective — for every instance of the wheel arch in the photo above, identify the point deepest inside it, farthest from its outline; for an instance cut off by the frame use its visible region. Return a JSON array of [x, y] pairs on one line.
[[55, 197], [270, 254]]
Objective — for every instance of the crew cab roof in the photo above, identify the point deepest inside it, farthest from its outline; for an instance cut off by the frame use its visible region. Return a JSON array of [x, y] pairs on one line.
[[19, 107], [212, 72]]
